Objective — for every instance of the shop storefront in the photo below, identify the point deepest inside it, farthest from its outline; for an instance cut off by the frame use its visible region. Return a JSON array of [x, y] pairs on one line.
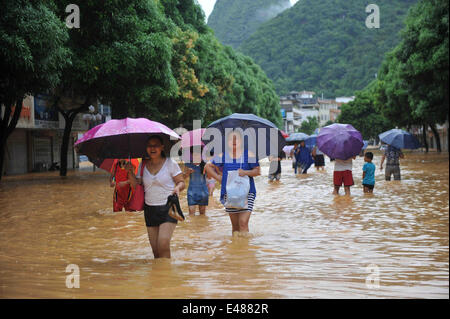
[[35, 144]]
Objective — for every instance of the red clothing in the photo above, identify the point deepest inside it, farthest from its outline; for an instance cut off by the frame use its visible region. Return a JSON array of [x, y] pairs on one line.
[[121, 195], [345, 177]]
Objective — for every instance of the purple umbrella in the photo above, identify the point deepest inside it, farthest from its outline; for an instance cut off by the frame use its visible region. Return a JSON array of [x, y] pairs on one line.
[[340, 141], [126, 138]]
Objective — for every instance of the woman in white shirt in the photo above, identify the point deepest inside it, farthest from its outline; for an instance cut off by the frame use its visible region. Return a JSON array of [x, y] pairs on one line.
[[161, 177]]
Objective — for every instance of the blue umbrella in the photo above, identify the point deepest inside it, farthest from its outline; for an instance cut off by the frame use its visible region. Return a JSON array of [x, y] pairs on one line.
[[366, 143], [296, 137], [255, 126], [399, 139], [310, 142]]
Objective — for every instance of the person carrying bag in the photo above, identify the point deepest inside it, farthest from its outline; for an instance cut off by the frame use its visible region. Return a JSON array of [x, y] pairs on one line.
[[238, 192]]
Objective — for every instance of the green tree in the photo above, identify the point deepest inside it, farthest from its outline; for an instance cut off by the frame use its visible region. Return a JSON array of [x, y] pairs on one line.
[[309, 125], [121, 54], [413, 80], [364, 116], [32, 56], [424, 56]]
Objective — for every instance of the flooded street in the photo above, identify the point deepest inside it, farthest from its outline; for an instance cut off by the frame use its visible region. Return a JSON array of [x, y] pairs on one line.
[[304, 242]]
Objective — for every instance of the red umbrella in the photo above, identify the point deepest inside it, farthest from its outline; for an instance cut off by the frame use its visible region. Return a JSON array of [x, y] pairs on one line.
[[285, 135], [192, 138], [109, 163]]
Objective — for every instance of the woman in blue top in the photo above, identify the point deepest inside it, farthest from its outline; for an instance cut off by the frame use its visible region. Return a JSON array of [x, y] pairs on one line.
[[197, 193], [235, 158]]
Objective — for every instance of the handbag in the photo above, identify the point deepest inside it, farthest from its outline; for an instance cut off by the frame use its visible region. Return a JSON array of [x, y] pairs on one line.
[[237, 189], [138, 197]]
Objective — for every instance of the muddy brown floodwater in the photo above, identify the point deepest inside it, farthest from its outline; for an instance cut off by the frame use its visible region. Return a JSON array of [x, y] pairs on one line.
[[303, 243]]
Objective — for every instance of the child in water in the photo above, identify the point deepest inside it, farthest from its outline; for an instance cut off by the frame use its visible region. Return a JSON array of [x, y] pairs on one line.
[[197, 193], [368, 173]]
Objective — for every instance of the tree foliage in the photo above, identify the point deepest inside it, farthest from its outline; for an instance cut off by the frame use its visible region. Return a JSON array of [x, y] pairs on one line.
[[32, 56], [309, 125], [414, 78], [234, 21], [325, 46], [364, 116], [145, 58]]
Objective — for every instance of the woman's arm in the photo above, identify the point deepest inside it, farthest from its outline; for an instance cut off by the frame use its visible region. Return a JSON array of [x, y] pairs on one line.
[[382, 161], [256, 171], [179, 184]]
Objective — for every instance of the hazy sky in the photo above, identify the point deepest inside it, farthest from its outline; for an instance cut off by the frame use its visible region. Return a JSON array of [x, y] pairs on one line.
[[208, 5]]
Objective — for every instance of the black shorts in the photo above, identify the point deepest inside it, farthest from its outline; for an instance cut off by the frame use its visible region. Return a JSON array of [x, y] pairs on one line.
[[369, 186], [319, 160], [157, 215]]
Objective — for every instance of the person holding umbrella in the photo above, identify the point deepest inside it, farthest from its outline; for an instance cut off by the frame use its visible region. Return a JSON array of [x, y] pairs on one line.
[[236, 158], [197, 194], [341, 142], [392, 156], [161, 177], [303, 158], [239, 161], [396, 139]]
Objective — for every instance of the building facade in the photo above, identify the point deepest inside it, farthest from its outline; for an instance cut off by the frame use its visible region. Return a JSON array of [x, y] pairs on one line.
[[296, 107], [35, 143]]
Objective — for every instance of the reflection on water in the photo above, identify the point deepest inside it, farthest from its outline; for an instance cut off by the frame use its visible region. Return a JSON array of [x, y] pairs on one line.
[[304, 242]]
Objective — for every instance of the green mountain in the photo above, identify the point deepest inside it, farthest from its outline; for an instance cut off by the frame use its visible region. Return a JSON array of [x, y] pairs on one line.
[[233, 21], [325, 45]]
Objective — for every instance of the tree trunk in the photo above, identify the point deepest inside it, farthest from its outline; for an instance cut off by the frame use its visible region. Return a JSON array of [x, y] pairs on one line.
[[2, 155], [69, 117], [118, 112], [7, 127], [65, 146], [436, 136], [424, 136]]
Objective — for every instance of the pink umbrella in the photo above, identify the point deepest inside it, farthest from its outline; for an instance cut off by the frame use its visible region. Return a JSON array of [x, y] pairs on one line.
[[125, 138], [192, 138]]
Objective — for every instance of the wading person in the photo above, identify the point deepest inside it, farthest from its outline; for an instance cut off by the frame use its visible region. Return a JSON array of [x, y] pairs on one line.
[[368, 173], [392, 155], [161, 177], [197, 194], [303, 158], [293, 155], [343, 175], [119, 179], [319, 159], [275, 167], [236, 161]]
